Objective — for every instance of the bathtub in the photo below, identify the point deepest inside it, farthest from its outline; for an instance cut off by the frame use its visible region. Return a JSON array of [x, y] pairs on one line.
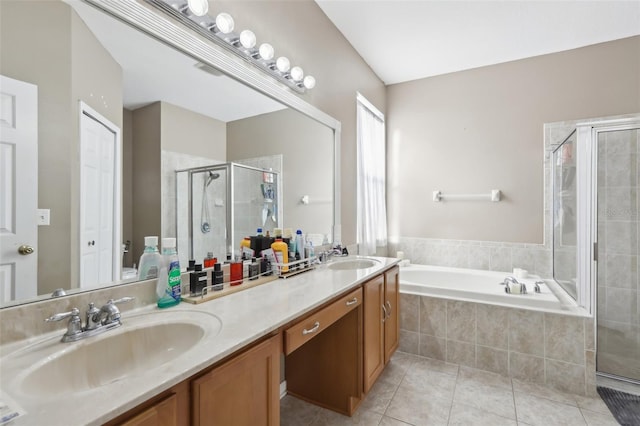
[[479, 286]]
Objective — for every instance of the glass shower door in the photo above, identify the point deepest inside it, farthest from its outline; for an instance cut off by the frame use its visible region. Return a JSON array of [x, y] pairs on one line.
[[618, 236]]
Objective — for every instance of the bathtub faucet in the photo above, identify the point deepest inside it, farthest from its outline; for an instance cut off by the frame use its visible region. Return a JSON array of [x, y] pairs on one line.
[[512, 285]]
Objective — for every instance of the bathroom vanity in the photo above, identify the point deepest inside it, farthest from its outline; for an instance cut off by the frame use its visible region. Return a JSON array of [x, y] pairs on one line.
[[335, 327]]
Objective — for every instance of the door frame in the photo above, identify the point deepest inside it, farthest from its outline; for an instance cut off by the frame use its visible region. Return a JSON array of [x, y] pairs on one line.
[[86, 110], [587, 203]]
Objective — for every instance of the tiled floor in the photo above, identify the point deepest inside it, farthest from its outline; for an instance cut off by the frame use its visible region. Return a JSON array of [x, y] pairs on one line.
[[419, 391]]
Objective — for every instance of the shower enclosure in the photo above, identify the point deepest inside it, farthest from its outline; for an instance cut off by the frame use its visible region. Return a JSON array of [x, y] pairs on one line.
[[596, 235], [219, 205]]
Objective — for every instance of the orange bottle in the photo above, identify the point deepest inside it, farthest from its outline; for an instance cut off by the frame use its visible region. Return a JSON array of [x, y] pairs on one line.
[[281, 250]]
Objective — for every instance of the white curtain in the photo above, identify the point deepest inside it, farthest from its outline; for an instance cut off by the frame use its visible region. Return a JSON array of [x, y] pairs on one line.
[[371, 210]]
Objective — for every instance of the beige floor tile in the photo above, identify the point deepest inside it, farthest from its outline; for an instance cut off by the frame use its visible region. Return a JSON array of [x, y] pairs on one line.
[[544, 392], [379, 397], [594, 418], [436, 365], [484, 377], [429, 382], [390, 421], [360, 417], [493, 399], [462, 414], [413, 408], [295, 412], [544, 412], [592, 404]]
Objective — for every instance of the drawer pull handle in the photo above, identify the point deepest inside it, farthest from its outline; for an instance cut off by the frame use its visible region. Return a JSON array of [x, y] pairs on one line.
[[352, 301], [388, 308], [384, 313], [315, 328]]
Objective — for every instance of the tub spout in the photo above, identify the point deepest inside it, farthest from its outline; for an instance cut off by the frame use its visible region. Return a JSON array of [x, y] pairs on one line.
[[512, 285]]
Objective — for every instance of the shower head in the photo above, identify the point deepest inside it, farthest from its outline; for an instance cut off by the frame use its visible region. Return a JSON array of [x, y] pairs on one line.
[[212, 176]]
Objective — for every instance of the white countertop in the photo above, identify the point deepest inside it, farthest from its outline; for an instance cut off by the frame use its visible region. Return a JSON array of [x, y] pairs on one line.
[[246, 316]]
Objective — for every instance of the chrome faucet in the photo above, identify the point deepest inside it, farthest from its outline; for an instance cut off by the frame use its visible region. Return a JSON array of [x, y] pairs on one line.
[[337, 251], [510, 281], [97, 320]]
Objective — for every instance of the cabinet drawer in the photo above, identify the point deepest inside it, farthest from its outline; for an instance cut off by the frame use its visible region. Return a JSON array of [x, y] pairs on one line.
[[306, 329]]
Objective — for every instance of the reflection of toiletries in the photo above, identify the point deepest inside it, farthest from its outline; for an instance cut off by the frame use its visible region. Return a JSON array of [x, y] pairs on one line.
[[254, 269], [150, 260], [245, 248], [192, 265], [169, 284], [218, 277], [209, 261], [197, 280], [236, 272], [300, 244], [265, 264], [281, 252]]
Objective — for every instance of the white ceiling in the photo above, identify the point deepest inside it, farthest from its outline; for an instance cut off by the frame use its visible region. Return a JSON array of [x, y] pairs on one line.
[[406, 40], [152, 71]]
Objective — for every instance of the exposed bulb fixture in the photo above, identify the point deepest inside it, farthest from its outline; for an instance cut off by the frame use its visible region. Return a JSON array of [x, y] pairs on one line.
[[225, 23], [247, 39], [198, 7], [309, 82], [297, 74], [283, 64], [220, 30], [266, 51]]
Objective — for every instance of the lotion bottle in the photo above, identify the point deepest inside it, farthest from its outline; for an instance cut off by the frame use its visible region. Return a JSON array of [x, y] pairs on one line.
[[150, 261], [169, 284]]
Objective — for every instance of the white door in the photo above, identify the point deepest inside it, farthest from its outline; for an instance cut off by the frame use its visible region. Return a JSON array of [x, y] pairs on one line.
[[99, 228], [18, 189]]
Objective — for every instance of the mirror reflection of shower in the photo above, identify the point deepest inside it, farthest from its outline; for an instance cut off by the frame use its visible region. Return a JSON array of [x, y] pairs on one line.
[[205, 216], [218, 205]]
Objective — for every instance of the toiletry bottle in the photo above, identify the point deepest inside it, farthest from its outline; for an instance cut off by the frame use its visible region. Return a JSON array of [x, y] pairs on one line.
[[218, 277], [197, 280], [300, 244], [254, 269], [209, 261], [169, 282], [281, 251], [192, 265], [236, 272], [265, 263], [245, 248], [150, 261]]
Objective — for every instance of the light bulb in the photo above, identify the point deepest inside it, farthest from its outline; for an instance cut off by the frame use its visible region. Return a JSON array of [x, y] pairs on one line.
[[198, 7], [266, 51], [283, 64], [297, 74], [247, 39], [309, 82], [225, 23]]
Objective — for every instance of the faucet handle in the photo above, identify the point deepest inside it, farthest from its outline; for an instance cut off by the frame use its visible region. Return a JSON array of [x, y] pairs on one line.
[[59, 317]]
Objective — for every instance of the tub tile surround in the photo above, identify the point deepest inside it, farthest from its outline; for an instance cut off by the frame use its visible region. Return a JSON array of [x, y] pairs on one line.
[[428, 391], [537, 347]]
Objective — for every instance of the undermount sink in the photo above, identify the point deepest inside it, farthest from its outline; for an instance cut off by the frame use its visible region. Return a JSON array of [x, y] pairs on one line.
[[140, 345], [352, 264]]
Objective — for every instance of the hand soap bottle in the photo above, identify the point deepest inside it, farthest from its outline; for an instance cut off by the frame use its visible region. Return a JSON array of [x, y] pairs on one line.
[[169, 284], [150, 261]]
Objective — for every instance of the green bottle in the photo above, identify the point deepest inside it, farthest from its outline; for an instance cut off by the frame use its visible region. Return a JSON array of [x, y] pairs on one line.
[[169, 284]]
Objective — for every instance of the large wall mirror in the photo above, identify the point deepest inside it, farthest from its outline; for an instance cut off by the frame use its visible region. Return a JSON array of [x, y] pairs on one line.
[[117, 112]]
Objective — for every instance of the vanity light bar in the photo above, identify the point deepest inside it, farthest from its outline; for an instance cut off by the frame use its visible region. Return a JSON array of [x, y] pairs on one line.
[[220, 31]]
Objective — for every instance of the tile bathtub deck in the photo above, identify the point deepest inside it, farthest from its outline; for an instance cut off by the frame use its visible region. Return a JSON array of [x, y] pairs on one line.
[[420, 391]]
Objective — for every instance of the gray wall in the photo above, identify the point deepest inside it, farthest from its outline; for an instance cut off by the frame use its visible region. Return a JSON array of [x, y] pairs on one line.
[[482, 129], [307, 149]]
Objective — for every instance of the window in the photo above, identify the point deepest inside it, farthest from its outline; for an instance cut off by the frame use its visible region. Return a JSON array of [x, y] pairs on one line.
[[371, 196]]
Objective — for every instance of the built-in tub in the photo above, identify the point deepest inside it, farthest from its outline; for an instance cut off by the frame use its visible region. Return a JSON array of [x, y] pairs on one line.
[[479, 286]]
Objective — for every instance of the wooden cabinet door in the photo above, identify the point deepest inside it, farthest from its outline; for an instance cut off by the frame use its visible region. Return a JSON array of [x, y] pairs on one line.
[[163, 413], [392, 305], [373, 330], [244, 391]]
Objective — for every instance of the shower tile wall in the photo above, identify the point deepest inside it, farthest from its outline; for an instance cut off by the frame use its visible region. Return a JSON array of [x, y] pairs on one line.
[[172, 161], [619, 253]]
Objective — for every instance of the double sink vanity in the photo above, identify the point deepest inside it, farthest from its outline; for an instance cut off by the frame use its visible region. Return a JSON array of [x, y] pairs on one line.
[[219, 362]]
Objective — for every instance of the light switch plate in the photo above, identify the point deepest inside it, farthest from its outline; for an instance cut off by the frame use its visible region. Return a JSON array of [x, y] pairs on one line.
[[44, 217]]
